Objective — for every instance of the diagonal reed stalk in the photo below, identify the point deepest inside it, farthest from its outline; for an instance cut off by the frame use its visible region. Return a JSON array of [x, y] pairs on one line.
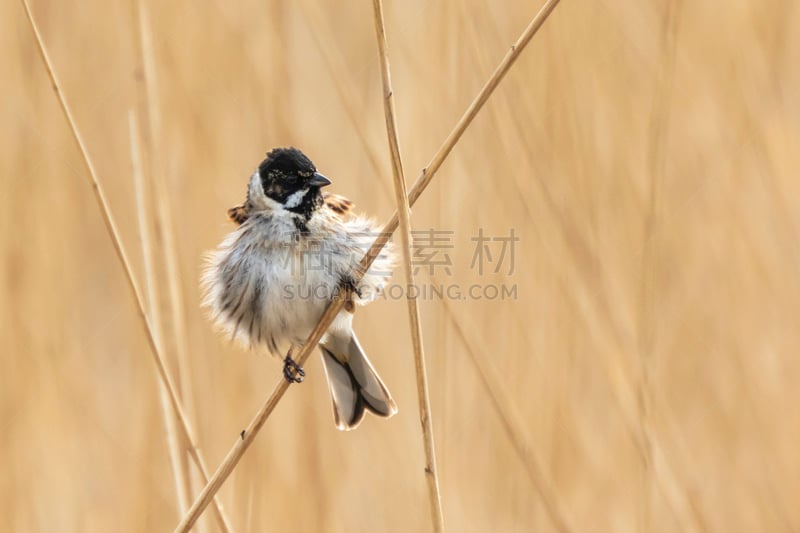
[[108, 220], [235, 454], [404, 212]]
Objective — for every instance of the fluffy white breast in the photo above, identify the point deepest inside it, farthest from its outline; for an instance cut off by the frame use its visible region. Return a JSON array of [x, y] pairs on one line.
[[267, 283]]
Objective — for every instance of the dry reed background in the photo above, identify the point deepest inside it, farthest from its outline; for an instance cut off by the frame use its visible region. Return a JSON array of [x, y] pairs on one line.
[[647, 156]]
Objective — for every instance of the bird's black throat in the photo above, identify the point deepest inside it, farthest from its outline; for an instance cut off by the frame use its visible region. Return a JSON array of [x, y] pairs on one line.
[[311, 202]]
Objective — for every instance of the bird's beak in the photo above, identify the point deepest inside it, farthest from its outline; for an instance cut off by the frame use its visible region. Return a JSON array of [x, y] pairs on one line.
[[318, 180]]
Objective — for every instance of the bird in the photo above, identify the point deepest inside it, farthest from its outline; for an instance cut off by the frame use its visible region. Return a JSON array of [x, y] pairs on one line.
[[294, 250]]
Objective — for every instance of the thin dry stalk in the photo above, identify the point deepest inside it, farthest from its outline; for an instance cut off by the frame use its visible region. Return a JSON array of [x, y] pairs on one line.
[[646, 327], [148, 109], [336, 64], [404, 212], [511, 422], [238, 449], [178, 329], [108, 221], [148, 105], [176, 302], [174, 439]]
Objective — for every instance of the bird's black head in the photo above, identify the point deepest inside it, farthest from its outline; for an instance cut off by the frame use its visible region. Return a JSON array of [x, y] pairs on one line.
[[291, 179]]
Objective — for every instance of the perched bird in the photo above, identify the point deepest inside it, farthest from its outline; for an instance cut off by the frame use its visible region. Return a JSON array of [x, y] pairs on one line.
[[295, 249]]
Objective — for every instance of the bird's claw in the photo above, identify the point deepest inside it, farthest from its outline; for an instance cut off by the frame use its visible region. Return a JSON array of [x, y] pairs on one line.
[[351, 287], [293, 372]]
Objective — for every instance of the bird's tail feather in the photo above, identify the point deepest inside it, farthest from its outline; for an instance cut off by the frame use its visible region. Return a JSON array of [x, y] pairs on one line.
[[355, 386]]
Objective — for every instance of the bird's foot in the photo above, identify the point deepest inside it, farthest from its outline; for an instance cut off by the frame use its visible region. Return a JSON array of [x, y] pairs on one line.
[[351, 287], [293, 372]]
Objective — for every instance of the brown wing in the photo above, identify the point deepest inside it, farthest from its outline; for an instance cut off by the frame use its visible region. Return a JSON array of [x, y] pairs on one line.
[[238, 214], [338, 204]]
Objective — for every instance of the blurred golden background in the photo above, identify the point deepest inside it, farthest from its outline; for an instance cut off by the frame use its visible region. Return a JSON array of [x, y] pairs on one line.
[[646, 154]]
